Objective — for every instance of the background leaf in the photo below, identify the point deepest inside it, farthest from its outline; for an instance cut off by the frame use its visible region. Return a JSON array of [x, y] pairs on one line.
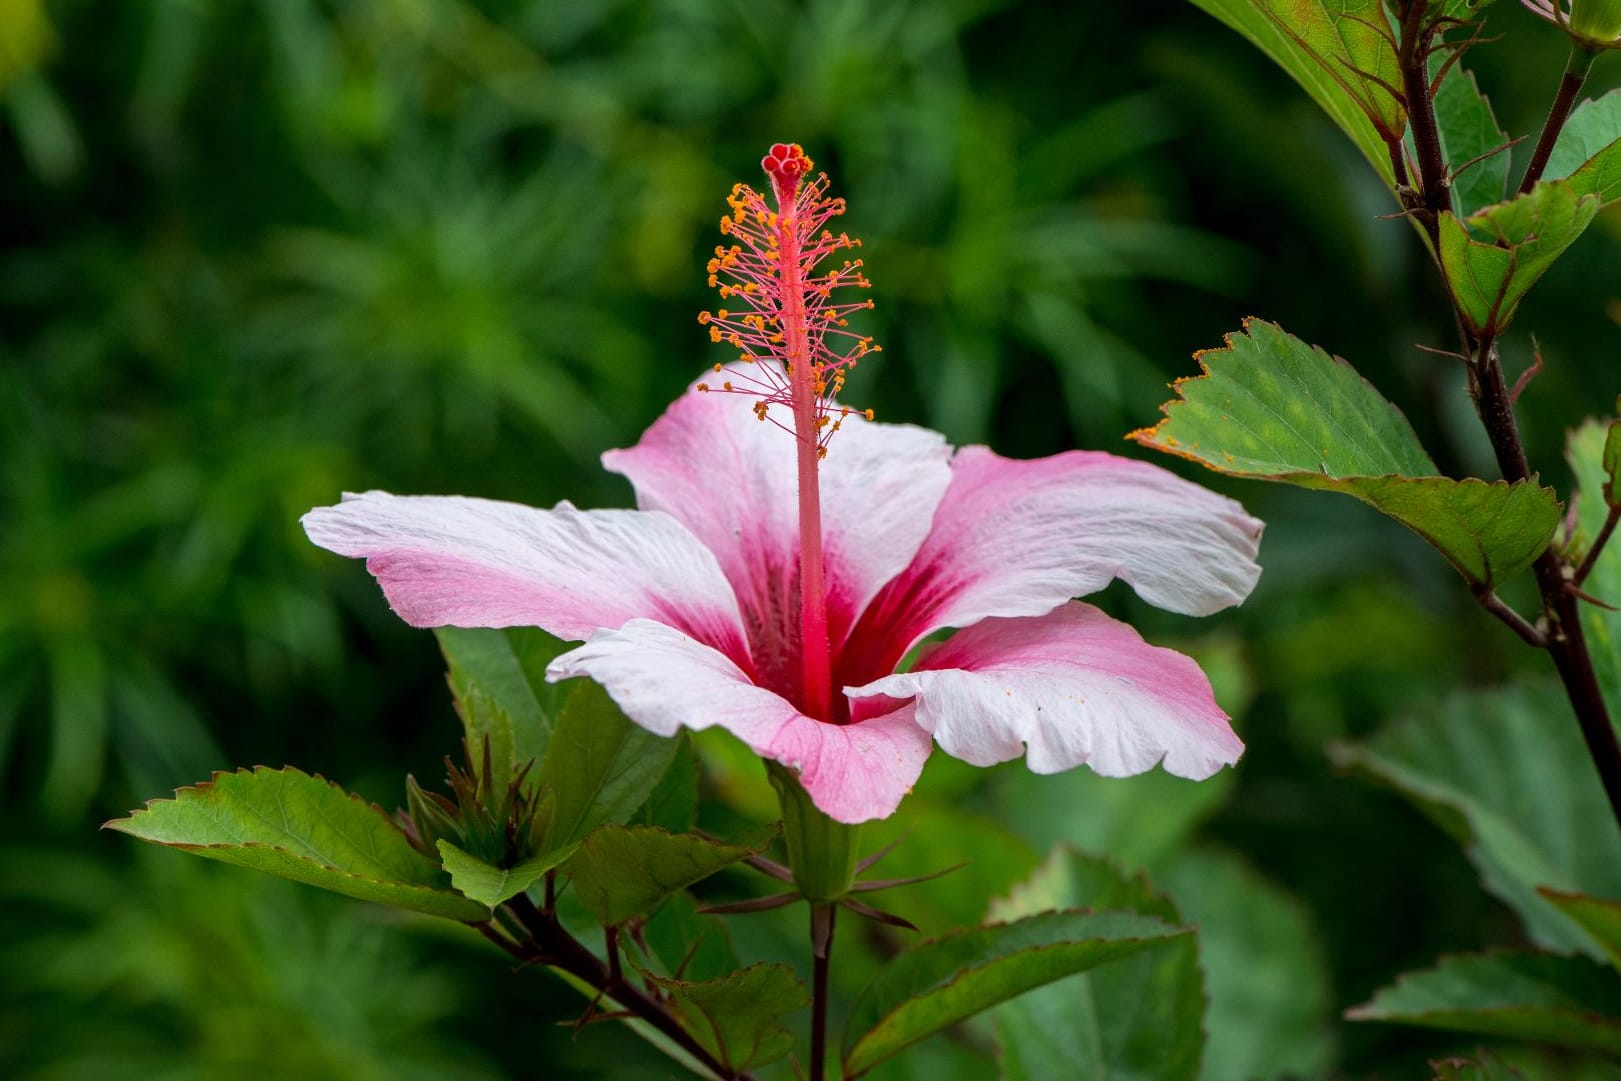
[[1507, 773], [1271, 1006], [620, 872], [601, 766], [1585, 450], [1469, 132], [1567, 1001], [736, 1017], [1271, 407], [1588, 150], [1137, 1017], [934, 985], [498, 678], [1600, 918], [304, 828]]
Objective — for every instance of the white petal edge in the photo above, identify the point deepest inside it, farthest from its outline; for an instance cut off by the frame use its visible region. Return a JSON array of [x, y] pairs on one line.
[[1072, 687], [464, 562]]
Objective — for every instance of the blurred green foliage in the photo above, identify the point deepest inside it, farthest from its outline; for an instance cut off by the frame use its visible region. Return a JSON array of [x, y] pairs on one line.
[[254, 254]]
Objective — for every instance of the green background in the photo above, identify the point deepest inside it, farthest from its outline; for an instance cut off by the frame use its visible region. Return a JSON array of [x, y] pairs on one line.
[[255, 254]]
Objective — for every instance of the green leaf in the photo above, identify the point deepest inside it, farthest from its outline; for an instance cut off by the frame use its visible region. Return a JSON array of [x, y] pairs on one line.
[[934, 985], [1319, 49], [498, 678], [673, 803], [1271, 407], [625, 871], [1589, 450], [1465, 9], [1524, 237], [1567, 1001], [1139, 1017], [1599, 918], [1271, 1011], [1611, 459], [1506, 771], [683, 941], [601, 765], [491, 885], [1588, 150], [736, 1017], [305, 828], [1469, 133]]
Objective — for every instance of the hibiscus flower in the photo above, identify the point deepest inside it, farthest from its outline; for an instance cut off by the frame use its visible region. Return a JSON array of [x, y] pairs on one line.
[[780, 595]]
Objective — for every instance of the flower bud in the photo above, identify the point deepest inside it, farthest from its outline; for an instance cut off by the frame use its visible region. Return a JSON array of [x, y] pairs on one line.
[[1596, 21]]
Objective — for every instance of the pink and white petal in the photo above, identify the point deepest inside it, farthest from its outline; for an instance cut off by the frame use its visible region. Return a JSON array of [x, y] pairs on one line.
[[1067, 688], [455, 561], [665, 680], [1018, 538], [732, 480]]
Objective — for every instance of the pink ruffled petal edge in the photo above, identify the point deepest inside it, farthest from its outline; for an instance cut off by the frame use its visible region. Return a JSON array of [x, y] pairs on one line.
[[1068, 688], [1019, 538], [665, 680], [455, 561]]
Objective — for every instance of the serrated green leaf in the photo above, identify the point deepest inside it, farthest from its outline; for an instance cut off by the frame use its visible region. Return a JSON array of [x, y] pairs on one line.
[[1323, 51], [1507, 772], [1139, 1017], [1588, 150], [1271, 407], [491, 885], [1599, 918], [1469, 134], [1547, 998], [1586, 450], [736, 1017], [292, 825], [1271, 1011], [625, 871], [1524, 236], [938, 983], [498, 678], [600, 765]]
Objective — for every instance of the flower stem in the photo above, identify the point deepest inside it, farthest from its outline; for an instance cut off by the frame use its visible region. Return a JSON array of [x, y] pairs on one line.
[[822, 919], [1570, 84]]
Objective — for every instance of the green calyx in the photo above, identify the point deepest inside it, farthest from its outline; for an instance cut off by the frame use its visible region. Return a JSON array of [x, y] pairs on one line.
[[821, 852], [1597, 22]]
